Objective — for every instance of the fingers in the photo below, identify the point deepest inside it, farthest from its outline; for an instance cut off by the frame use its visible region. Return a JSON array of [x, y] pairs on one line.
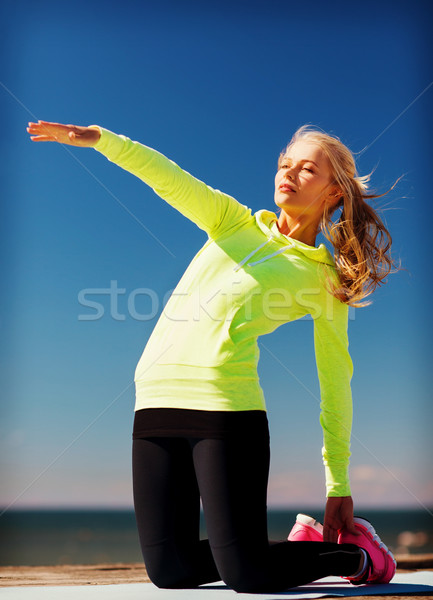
[[45, 126], [40, 133], [42, 138], [74, 135], [353, 530], [331, 531], [40, 125], [46, 131], [52, 124], [33, 128], [330, 535]]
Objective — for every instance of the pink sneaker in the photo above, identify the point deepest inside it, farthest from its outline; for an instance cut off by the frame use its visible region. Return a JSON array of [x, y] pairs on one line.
[[382, 565], [306, 529]]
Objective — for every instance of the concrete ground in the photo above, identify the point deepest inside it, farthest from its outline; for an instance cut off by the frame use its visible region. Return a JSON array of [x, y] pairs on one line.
[[414, 578]]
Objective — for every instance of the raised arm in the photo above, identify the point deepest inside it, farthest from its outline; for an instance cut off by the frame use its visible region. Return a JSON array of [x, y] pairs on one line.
[[211, 210]]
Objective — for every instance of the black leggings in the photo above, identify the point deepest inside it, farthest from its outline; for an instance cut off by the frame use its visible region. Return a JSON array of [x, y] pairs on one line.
[[230, 476]]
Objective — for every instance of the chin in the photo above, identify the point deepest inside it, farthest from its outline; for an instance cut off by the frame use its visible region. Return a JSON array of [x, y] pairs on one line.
[[281, 203]]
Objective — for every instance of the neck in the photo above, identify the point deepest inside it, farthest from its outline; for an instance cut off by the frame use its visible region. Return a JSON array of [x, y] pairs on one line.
[[298, 229]]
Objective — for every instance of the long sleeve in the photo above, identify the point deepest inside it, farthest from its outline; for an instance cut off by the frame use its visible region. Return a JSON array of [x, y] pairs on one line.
[[334, 367], [211, 210]]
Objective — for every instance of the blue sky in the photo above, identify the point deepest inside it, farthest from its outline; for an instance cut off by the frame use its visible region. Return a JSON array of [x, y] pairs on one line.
[[219, 87]]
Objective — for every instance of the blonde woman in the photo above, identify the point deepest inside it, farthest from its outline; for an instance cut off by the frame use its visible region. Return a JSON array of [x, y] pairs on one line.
[[200, 429]]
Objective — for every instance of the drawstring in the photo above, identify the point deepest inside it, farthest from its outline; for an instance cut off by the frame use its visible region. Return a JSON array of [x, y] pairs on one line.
[[241, 264], [280, 251]]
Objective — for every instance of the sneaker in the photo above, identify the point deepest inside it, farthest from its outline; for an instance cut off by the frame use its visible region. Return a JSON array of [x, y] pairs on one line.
[[306, 529], [381, 564]]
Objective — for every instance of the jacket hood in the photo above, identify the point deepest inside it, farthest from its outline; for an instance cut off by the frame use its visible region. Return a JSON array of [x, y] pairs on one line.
[[267, 221]]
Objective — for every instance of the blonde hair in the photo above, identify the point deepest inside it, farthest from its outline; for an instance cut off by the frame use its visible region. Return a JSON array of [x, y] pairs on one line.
[[360, 239]]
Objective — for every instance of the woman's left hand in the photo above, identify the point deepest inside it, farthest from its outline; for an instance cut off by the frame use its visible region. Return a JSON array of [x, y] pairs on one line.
[[338, 515]]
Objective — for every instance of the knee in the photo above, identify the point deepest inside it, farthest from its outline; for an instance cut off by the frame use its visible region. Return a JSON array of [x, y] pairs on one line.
[[245, 585], [164, 578], [169, 573], [242, 580]]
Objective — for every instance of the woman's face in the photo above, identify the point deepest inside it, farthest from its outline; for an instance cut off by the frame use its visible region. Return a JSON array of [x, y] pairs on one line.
[[303, 181]]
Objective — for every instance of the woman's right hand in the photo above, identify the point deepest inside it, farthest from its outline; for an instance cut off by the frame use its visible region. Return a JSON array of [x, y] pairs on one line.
[[44, 131]]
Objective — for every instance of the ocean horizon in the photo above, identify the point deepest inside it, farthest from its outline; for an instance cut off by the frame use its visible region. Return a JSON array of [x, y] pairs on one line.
[[92, 536]]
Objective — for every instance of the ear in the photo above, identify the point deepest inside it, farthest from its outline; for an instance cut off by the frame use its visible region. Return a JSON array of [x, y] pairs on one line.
[[334, 196]]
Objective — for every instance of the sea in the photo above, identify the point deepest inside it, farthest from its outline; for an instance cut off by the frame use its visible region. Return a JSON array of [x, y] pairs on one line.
[[55, 537]]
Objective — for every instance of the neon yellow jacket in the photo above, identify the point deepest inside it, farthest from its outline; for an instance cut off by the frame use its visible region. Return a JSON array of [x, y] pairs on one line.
[[247, 280]]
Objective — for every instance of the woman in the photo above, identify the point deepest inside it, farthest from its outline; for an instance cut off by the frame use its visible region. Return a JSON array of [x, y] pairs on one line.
[[200, 429]]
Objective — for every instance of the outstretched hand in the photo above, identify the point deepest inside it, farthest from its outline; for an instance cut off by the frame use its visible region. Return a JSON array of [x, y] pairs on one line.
[[44, 131], [338, 515]]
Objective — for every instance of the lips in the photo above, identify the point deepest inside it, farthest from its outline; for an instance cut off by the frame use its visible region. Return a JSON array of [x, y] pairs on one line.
[[285, 187]]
